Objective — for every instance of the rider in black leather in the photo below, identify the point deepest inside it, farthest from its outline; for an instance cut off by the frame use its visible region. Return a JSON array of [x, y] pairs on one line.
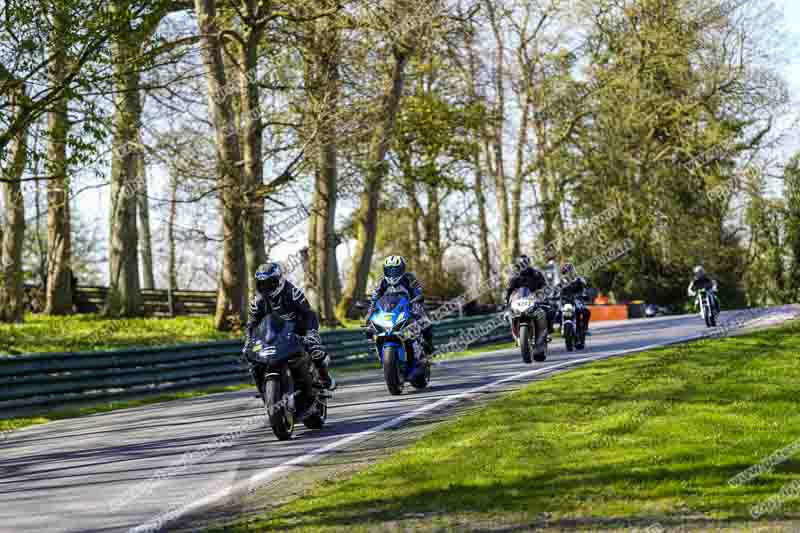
[[275, 293], [526, 275], [573, 286], [703, 281]]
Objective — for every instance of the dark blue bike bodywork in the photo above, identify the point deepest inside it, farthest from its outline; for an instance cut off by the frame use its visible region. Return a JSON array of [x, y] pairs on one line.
[[286, 379]]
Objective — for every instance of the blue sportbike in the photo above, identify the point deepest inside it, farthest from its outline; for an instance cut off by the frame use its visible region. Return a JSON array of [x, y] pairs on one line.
[[398, 344]]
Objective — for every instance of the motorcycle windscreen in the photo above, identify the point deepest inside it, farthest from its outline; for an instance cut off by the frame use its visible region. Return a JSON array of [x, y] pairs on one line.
[[520, 293], [274, 339], [392, 309], [393, 301]]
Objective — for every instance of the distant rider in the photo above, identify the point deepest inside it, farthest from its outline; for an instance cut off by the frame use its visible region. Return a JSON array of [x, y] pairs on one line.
[[395, 275], [275, 293], [525, 275], [573, 287], [703, 281]]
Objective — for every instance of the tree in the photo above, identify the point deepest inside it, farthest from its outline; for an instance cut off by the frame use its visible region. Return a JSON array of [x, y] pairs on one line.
[[322, 85], [11, 288], [59, 236], [414, 20], [231, 294], [791, 188]]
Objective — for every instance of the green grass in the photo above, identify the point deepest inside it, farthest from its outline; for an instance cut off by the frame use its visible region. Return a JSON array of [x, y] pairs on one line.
[[76, 333], [653, 437]]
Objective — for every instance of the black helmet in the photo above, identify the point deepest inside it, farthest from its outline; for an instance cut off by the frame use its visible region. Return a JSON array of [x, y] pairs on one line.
[[269, 279], [567, 269], [394, 267], [523, 261]]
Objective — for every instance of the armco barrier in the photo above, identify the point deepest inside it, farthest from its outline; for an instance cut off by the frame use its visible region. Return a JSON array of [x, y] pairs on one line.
[[55, 379]]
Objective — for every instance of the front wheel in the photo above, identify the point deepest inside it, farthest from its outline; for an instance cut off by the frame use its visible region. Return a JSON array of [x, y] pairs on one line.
[[525, 343], [279, 414], [392, 371], [569, 336]]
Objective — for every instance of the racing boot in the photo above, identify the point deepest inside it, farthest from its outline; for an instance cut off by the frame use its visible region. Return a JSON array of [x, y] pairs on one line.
[[427, 343], [325, 377], [540, 346]]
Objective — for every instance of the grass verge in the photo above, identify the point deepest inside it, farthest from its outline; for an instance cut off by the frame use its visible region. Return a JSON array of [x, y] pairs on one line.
[[78, 333], [650, 440]]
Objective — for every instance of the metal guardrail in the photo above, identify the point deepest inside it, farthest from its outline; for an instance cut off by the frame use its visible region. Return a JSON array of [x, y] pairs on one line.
[[155, 302], [54, 379]]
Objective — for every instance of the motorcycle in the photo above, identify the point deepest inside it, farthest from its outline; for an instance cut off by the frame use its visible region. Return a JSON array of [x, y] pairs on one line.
[[398, 345], [287, 380], [707, 308], [528, 321], [574, 333]]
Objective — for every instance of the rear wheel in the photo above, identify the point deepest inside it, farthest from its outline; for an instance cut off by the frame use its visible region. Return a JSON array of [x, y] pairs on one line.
[[422, 379], [280, 416], [392, 372], [525, 343]]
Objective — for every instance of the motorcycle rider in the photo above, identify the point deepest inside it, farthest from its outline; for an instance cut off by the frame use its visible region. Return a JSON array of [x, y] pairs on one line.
[[573, 286], [703, 281], [275, 293], [525, 275], [395, 275]]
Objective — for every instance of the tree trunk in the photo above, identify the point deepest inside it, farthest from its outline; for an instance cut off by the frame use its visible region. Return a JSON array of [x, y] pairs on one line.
[[409, 187], [12, 292], [251, 130], [124, 294], [172, 268], [367, 216], [324, 95], [433, 236], [519, 180], [498, 120], [483, 227], [145, 237], [231, 294], [485, 260], [59, 240]]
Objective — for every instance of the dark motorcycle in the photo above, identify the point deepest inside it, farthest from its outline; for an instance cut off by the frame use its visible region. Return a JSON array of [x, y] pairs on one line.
[[528, 321], [572, 328], [708, 309], [287, 380]]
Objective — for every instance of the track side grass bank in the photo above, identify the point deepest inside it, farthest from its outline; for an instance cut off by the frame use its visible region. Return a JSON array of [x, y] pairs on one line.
[[84, 333], [650, 440]]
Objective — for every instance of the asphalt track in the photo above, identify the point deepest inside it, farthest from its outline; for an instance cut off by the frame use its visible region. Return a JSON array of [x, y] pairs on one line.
[[139, 469]]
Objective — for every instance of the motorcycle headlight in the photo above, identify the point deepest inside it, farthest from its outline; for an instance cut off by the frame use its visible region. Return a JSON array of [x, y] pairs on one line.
[[568, 310], [266, 353]]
